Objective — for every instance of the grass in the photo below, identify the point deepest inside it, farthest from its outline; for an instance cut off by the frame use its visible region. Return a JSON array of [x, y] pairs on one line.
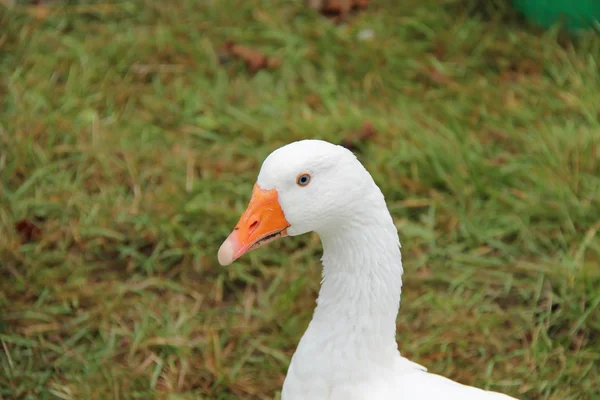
[[133, 149]]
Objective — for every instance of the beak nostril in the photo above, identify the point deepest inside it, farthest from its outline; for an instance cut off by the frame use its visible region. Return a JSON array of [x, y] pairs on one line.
[[254, 225]]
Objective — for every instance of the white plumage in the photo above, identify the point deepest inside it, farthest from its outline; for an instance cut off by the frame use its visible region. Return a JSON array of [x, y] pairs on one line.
[[349, 351]]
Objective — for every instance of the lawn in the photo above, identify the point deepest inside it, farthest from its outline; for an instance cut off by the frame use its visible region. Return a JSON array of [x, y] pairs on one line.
[[130, 140]]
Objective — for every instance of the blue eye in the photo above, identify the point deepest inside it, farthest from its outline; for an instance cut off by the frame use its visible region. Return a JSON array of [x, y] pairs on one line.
[[303, 179]]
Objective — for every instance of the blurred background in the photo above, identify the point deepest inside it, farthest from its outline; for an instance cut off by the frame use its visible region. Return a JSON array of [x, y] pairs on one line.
[[131, 134]]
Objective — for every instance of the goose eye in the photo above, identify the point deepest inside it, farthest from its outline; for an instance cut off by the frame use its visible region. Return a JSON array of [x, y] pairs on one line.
[[303, 179]]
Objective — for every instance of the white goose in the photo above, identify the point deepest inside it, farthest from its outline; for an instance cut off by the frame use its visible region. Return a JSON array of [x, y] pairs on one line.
[[349, 351]]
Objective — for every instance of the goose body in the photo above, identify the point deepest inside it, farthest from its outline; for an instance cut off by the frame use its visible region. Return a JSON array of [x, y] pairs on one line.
[[349, 350]]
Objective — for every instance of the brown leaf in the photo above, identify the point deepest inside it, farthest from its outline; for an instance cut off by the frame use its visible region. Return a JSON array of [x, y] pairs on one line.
[[314, 101], [255, 60], [354, 140], [27, 230], [336, 8]]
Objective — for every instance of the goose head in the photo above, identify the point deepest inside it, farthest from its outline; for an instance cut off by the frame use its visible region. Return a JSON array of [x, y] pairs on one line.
[[305, 186]]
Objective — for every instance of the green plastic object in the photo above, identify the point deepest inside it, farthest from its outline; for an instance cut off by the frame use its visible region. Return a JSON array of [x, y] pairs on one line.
[[576, 14]]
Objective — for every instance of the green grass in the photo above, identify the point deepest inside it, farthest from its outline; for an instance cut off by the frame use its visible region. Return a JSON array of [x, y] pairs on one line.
[[135, 150]]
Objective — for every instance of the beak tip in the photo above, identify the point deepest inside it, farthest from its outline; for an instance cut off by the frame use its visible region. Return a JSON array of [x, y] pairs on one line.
[[225, 255]]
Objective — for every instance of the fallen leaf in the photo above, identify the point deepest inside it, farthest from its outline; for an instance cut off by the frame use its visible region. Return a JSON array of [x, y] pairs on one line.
[[337, 6], [255, 60], [27, 230], [336, 9], [353, 141], [314, 101]]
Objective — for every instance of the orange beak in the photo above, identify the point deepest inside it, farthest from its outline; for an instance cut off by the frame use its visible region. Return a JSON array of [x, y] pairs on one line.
[[261, 223]]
